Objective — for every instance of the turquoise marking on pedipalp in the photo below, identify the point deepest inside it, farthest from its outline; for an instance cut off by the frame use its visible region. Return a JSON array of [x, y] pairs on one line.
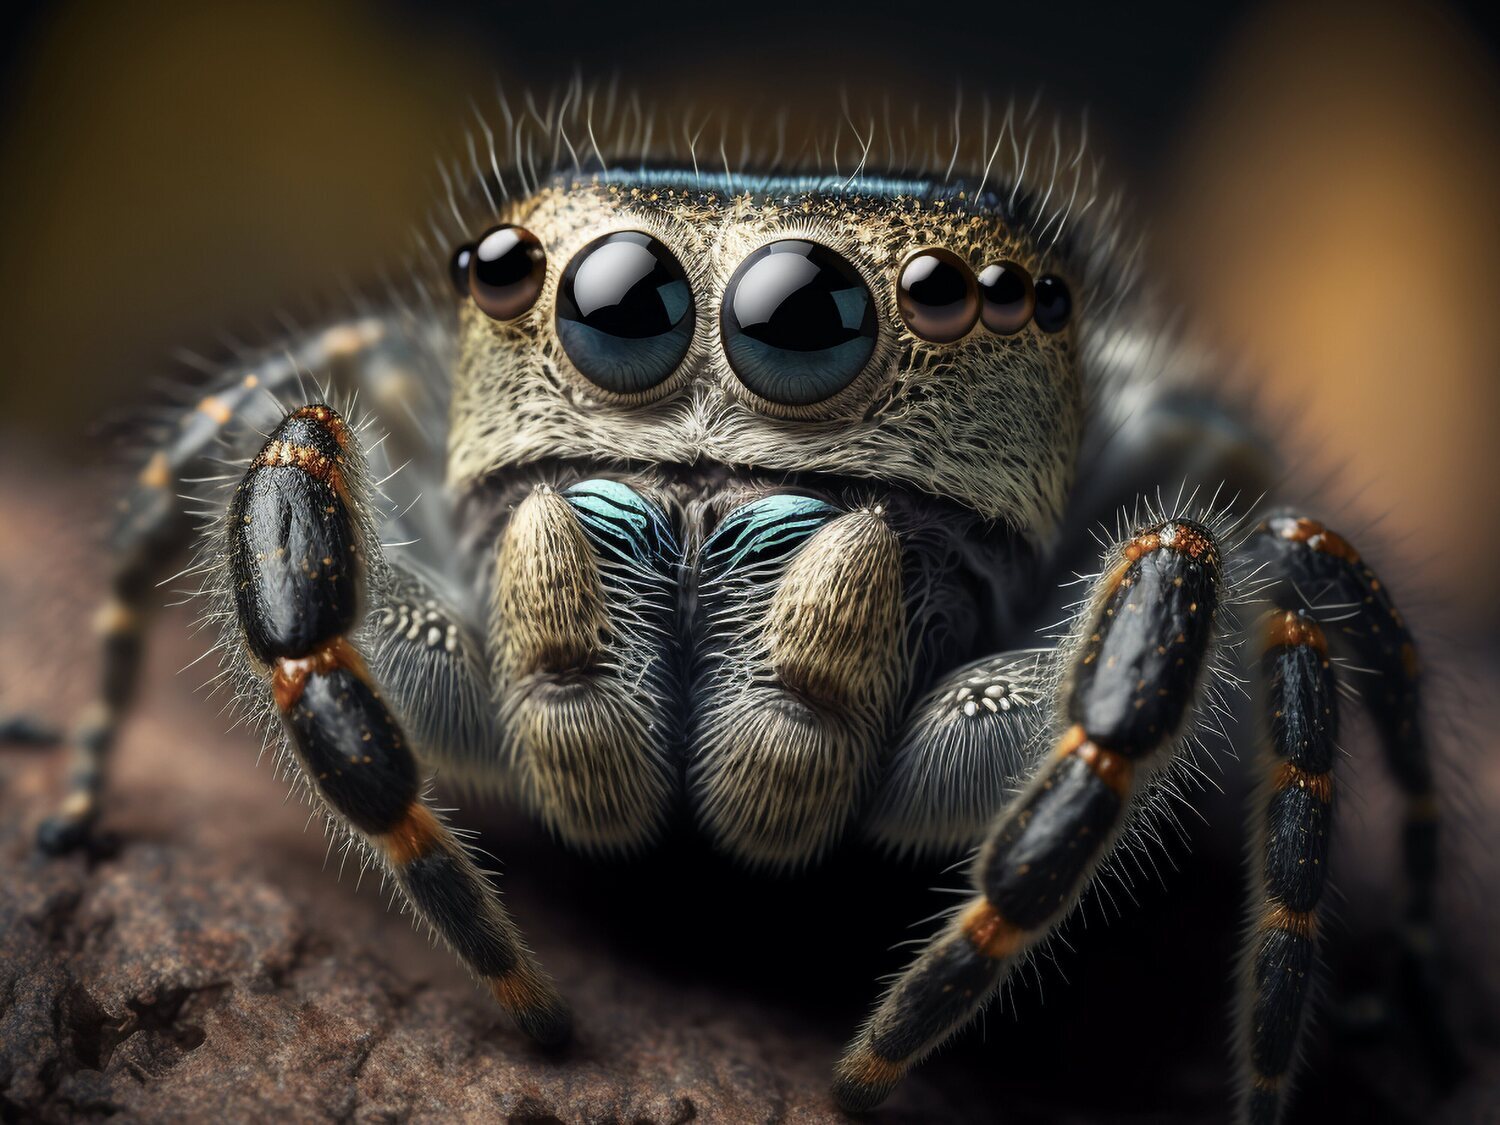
[[623, 522], [765, 529]]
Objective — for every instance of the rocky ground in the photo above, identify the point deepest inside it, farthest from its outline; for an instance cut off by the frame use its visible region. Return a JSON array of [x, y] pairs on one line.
[[209, 963]]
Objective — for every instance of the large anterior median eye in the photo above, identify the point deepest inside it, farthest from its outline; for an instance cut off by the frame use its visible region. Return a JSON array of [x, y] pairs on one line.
[[798, 323], [625, 312]]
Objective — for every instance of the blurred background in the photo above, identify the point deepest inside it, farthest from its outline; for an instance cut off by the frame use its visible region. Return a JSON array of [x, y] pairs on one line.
[[1320, 186]]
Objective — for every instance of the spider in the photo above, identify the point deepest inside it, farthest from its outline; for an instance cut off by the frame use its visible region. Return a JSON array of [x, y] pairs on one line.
[[744, 494]]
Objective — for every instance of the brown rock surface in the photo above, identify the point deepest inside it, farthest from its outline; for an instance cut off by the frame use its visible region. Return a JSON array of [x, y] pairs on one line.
[[208, 967]]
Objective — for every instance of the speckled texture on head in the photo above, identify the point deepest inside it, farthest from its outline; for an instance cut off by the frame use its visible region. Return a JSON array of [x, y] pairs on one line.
[[990, 422], [996, 424]]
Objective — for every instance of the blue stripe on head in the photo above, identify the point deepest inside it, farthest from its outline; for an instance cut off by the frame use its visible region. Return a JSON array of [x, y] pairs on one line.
[[784, 185]]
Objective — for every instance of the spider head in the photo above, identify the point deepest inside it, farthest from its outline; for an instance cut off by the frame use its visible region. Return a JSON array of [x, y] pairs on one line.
[[883, 330]]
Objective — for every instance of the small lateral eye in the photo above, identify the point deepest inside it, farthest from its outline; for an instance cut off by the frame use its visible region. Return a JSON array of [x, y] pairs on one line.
[[625, 312], [1054, 304], [1007, 297], [937, 295], [458, 268], [506, 271]]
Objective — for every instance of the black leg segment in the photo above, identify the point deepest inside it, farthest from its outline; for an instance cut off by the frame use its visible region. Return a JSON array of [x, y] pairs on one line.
[[298, 561], [294, 540], [1317, 563], [151, 526], [1137, 665], [1289, 837]]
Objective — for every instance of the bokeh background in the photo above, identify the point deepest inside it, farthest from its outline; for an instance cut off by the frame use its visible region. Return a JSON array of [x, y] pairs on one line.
[[1319, 182]]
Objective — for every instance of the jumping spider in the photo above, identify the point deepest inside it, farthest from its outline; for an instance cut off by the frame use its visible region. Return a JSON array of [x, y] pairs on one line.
[[747, 492]]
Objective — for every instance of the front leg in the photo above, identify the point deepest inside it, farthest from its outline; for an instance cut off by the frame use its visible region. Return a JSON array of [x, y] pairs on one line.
[[1135, 670], [150, 525], [300, 557]]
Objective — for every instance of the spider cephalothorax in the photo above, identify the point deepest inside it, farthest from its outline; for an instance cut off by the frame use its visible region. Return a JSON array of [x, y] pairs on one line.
[[752, 491], [989, 420]]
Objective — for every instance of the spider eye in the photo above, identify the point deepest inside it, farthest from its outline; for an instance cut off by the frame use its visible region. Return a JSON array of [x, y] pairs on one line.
[[937, 296], [798, 323], [506, 272], [1054, 304], [458, 268], [1007, 296], [625, 312]]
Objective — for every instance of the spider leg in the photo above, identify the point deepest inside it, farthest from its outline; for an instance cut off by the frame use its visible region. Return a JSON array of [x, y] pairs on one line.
[[150, 527], [152, 524], [299, 560], [1135, 669], [800, 622], [1294, 821], [961, 752], [1289, 849], [584, 634]]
